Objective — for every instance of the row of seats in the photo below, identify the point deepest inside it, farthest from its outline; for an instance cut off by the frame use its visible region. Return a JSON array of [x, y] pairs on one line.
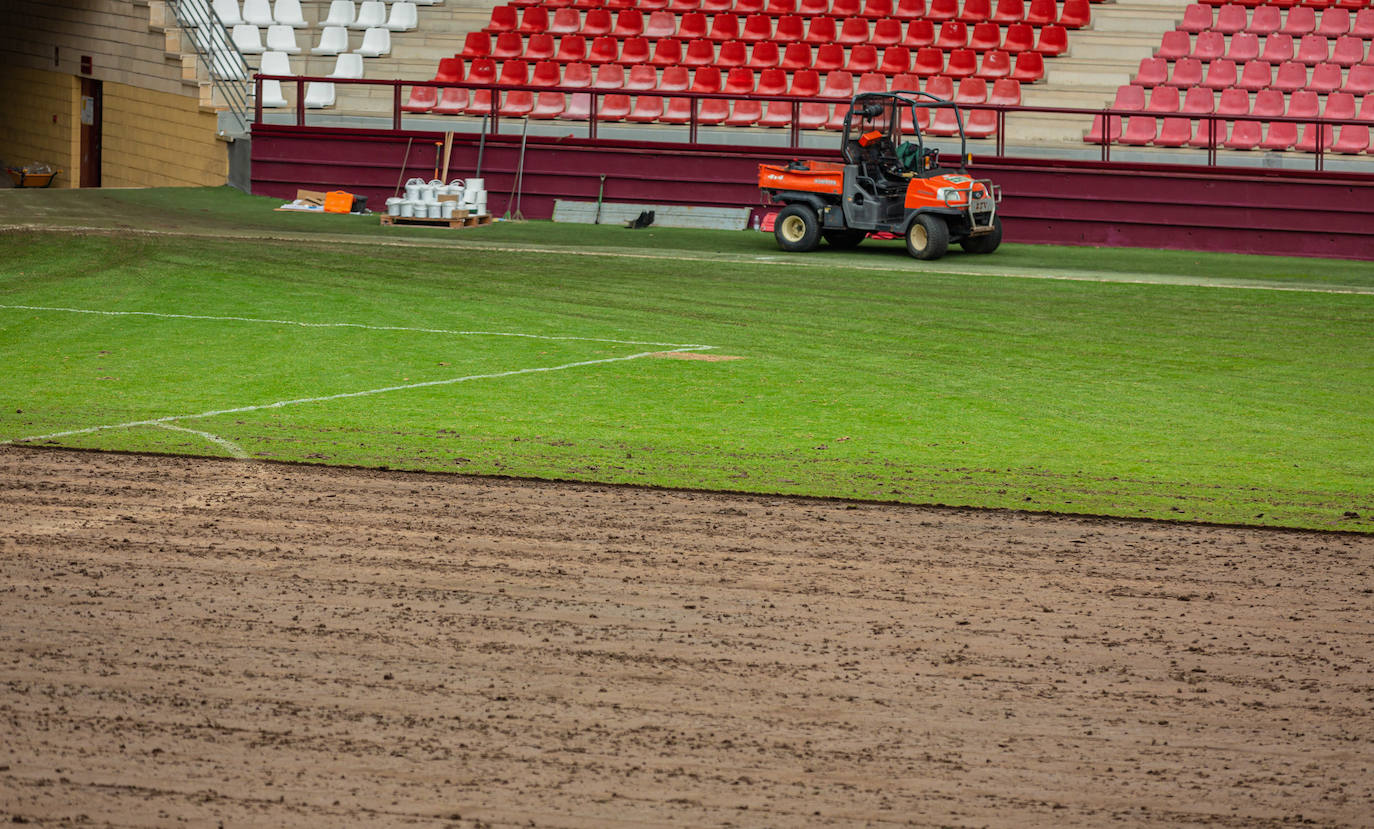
[[1316, 4], [620, 101], [1276, 47], [1027, 67], [333, 41], [1050, 41], [971, 11], [1167, 131], [1298, 21], [1254, 75], [318, 94]]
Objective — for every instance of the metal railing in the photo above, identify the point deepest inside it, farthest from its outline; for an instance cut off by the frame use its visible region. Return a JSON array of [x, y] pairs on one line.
[[1213, 124], [216, 52]]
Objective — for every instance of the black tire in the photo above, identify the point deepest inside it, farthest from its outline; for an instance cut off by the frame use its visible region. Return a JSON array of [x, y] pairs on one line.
[[844, 239], [986, 243], [797, 228], [927, 237]]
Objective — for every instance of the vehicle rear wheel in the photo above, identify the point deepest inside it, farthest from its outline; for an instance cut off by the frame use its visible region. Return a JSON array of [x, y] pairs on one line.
[[987, 242], [797, 228], [844, 239], [927, 237]]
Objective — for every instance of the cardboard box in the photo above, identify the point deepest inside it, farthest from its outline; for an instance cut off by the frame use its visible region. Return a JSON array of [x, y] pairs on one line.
[[311, 197]]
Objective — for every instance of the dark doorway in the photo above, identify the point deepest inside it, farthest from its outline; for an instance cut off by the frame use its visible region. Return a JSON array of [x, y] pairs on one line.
[[91, 105]]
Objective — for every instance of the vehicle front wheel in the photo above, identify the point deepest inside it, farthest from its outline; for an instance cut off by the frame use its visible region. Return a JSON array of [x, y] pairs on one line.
[[844, 239], [797, 228], [927, 237], [987, 242]]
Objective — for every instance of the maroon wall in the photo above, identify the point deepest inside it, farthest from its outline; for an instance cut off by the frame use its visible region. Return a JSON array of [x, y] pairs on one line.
[[1051, 202]]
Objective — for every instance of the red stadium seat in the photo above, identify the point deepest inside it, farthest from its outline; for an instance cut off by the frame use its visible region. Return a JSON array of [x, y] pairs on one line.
[[975, 11], [757, 27], [540, 47], [886, 32], [1291, 76], [919, 34], [1326, 78], [635, 50], [565, 22], [608, 76], [667, 52], [1163, 99], [1009, 12], [1348, 51], [732, 53], [1352, 139], [661, 24], [700, 52], [778, 8], [1313, 49], [796, 56], [509, 45], [1187, 72], [680, 6], [929, 61], [829, 57], [641, 78], [995, 65], [1210, 46], [854, 30], [878, 9], [1197, 17], [1042, 13], [1265, 20], [1256, 75], [790, 29], [547, 104], [1029, 67], [812, 8], [744, 113], [941, 86], [1176, 44], [1334, 23], [571, 49], [1364, 24], [963, 63], [1140, 130], [1360, 81], [579, 105], [1278, 47], [905, 82], [693, 25], [724, 27], [953, 35], [938, 10], [517, 102], [1221, 74], [821, 30], [910, 10], [1244, 46], [897, 61], [1231, 18], [764, 55], [985, 36], [503, 19], [862, 59], [1020, 37], [1152, 72], [1075, 14], [596, 23], [1301, 20], [748, 7], [476, 45], [846, 8], [534, 19]]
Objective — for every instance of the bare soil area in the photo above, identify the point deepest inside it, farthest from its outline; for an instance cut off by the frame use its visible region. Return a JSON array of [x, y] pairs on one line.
[[240, 643]]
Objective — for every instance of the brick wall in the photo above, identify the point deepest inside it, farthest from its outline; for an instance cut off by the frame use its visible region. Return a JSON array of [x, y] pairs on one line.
[[156, 139]]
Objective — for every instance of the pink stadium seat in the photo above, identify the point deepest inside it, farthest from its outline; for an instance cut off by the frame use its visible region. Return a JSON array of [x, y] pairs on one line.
[[1245, 135], [938, 10], [1255, 75], [1152, 72], [862, 60], [1352, 139], [764, 55], [1042, 12], [953, 35], [796, 56], [996, 65], [1360, 81], [1020, 37], [982, 123], [482, 70], [732, 53], [1140, 130], [746, 113], [897, 61], [1075, 14], [1196, 18], [476, 45], [1187, 72], [853, 30], [919, 34], [1307, 140], [1163, 99], [929, 61], [790, 29], [571, 49], [1313, 49], [667, 52], [724, 27], [1128, 97], [635, 50], [1326, 77], [1363, 26], [1174, 132], [963, 63], [565, 21], [534, 19], [878, 9], [829, 57], [1348, 50], [886, 32], [985, 36], [1265, 20], [1334, 23], [1231, 18], [975, 11], [1176, 44], [1301, 20], [1290, 77], [909, 9], [641, 78], [1029, 68], [609, 76], [1221, 74], [757, 27], [1278, 47], [1210, 132], [503, 19], [1233, 102], [1009, 12], [508, 45], [1210, 46], [1339, 106], [1283, 135], [661, 24], [421, 99], [700, 52], [821, 30], [647, 108], [1244, 46]]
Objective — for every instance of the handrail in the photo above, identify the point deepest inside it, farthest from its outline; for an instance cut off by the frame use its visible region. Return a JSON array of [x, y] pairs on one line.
[[794, 131], [217, 53]]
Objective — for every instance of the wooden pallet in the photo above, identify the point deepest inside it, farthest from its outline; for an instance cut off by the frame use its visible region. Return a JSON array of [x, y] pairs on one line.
[[456, 221]]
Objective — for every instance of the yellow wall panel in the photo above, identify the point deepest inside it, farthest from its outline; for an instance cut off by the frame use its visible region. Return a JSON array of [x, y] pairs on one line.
[[41, 124]]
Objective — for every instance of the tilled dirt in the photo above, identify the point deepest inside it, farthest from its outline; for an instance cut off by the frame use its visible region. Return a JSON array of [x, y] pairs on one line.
[[243, 643]]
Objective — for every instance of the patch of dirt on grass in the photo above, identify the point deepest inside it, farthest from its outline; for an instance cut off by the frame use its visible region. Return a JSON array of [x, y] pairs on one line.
[[694, 355], [248, 643]]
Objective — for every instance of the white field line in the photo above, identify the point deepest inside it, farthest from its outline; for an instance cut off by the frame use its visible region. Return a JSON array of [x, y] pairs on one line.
[[229, 446], [790, 261], [164, 421]]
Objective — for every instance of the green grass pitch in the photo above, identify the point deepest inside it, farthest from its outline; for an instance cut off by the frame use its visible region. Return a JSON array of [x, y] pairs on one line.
[[1125, 383]]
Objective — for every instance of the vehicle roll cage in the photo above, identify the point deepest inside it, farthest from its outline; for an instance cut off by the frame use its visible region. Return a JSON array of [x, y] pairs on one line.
[[893, 103]]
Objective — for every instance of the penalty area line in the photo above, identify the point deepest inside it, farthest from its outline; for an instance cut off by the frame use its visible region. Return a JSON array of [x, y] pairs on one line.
[[280, 404]]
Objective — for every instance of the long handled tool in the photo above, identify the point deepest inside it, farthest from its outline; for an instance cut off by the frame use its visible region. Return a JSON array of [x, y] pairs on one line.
[[404, 162], [448, 151], [601, 191], [481, 147], [517, 191]]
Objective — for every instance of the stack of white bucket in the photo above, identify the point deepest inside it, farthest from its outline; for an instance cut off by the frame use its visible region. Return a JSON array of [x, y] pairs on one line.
[[422, 199]]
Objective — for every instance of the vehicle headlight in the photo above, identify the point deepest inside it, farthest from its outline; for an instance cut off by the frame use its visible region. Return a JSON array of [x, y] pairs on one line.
[[950, 195]]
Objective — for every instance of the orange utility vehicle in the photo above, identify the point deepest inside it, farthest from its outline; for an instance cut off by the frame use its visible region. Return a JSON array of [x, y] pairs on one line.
[[889, 182]]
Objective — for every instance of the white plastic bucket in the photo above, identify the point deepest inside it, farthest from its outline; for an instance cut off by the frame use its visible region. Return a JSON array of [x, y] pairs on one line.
[[393, 207], [456, 187], [413, 189], [481, 203], [407, 207], [448, 207], [436, 209]]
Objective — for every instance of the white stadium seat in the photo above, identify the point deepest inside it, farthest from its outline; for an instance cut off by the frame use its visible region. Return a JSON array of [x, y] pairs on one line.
[[228, 11], [257, 12], [288, 13], [319, 94], [333, 40], [274, 63], [371, 13], [248, 39], [341, 13], [281, 38], [376, 43], [347, 66], [404, 16]]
